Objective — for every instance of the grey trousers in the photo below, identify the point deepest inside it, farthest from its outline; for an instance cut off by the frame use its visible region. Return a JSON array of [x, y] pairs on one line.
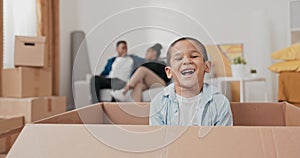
[[100, 82]]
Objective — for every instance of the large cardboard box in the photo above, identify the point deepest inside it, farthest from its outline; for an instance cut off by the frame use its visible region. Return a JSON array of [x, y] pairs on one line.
[[142, 141], [26, 82], [30, 51], [244, 114], [33, 109], [7, 124], [261, 130]]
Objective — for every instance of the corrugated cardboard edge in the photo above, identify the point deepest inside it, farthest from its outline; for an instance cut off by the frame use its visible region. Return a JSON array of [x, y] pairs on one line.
[[292, 114]]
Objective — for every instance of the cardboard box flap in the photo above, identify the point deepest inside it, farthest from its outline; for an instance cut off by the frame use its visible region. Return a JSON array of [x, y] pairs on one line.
[[258, 114], [70, 141], [292, 115], [170, 142], [244, 114], [31, 40], [127, 113], [103, 113], [86, 115]]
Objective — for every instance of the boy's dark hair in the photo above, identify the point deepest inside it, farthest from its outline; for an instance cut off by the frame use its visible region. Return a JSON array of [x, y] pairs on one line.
[[120, 42], [197, 42], [157, 47]]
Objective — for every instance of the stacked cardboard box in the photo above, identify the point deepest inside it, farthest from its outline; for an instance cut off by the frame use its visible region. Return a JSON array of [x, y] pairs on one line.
[[27, 88], [31, 76], [7, 134]]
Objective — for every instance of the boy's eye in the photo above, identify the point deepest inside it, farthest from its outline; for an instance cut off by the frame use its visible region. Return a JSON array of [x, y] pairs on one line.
[[194, 56], [177, 58]]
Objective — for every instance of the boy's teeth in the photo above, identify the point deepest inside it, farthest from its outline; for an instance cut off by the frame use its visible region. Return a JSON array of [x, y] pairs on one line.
[[187, 72]]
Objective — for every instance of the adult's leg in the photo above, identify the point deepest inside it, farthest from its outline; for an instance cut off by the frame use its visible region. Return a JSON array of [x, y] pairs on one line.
[[137, 91], [148, 77], [97, 83], [117, 84], [101, 82]]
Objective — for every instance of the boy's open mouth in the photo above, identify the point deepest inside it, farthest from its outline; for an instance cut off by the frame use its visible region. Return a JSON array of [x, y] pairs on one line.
[[187, 72]]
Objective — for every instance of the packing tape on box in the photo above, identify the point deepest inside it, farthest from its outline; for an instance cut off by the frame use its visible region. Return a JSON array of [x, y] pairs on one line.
[[49, 101], [36, 75]]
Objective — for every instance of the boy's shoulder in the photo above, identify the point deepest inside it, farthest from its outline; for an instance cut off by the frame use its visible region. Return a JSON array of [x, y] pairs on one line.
[[209, 92], [163, 96]]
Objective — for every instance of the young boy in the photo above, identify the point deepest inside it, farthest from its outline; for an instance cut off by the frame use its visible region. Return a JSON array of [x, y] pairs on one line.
[[189, 101]]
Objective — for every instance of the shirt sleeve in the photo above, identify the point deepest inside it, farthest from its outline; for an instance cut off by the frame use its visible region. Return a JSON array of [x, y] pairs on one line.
[[225, 115], [107, 68], [155, 118]]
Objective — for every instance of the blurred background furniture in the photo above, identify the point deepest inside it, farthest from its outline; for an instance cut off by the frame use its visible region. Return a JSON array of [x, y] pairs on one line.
[[289, 87], [226, 81]]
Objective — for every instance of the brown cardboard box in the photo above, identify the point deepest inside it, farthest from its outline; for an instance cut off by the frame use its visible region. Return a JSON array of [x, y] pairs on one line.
[[2, 155], [7, 124], [251, 138], [33, 109], [244, 114], [30, 51], [77, 141], [26, 82]]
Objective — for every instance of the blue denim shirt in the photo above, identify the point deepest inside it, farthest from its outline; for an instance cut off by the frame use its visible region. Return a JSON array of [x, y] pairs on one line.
[[213, 108]]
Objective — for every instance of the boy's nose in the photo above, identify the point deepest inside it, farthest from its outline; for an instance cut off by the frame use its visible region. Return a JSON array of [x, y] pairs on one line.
[[186, 60]]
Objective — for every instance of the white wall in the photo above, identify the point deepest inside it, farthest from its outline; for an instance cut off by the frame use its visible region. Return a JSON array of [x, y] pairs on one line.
[[68, 23], [261, 25]]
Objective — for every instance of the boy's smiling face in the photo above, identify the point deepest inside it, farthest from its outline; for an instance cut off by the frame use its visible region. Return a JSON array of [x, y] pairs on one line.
[[187, 66]]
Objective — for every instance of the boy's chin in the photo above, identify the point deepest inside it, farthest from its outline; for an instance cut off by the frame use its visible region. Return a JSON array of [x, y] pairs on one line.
[[189, 84]]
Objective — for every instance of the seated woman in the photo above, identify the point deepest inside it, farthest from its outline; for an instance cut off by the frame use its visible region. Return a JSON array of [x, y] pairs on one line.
[[149, 75]]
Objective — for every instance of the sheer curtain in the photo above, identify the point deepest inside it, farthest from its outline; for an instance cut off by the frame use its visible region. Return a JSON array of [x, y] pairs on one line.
[[19, 18]]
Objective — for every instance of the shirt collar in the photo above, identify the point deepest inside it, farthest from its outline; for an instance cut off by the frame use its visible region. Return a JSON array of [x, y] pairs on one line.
[[207, 92]]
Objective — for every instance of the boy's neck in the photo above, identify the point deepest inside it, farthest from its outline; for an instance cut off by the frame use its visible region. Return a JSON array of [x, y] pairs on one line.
[[188, 92]]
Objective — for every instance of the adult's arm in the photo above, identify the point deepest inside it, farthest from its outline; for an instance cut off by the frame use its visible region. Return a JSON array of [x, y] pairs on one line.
[[108, 67]]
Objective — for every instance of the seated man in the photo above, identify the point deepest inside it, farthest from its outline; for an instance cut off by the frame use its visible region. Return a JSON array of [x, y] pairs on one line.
[[116, 73], [149, 75], [189, 101]]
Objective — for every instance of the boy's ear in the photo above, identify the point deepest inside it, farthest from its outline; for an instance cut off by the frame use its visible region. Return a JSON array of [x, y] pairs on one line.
[[207, 66], [168, 71]]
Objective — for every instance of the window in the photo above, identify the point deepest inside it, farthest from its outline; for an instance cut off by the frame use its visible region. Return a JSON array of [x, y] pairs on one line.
[[19, 18]]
